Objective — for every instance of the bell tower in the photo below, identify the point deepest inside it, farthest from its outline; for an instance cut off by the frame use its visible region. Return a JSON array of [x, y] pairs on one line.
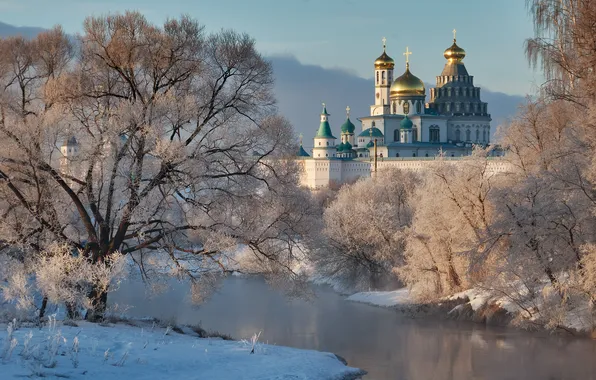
[[383, 78]]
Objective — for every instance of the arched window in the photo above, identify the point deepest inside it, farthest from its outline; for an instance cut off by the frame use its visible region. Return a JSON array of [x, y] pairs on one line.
[[418, 107], [477, 135], [413, 154], [327, 143], [377, 77], [396, 154], [426, 155], [396, 135], [467, 135], [434, 133], [414, 134], [383, 76], [319, 143], [373, 123], [457, 135], [394, 108]]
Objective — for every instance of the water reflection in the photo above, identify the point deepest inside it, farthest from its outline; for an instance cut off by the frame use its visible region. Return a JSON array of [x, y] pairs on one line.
[[387, 345]]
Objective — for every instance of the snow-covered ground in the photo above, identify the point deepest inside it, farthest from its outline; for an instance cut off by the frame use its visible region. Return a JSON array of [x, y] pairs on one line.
[[578, 319], [92, 351], [477, 298], [385, 299]]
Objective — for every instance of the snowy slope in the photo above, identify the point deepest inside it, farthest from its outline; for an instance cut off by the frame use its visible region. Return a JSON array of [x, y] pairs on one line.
[[386, 299], [126, 352]]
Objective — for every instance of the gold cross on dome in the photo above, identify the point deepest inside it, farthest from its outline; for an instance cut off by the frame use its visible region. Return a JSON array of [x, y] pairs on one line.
[[301, 136], [348, 110], [407, 54], [323, 105], [384, 43], [454, 33]]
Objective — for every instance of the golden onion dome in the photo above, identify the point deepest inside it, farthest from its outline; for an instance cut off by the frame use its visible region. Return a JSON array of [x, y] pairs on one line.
[[407, 85], [454, 53], [384, 62]]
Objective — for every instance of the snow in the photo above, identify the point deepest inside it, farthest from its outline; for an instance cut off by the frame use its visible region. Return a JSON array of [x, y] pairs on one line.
[[477, 297], [148, 352], [386, 299]]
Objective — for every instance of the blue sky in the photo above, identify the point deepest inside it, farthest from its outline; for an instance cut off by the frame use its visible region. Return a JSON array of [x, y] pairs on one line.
[[343, 34]]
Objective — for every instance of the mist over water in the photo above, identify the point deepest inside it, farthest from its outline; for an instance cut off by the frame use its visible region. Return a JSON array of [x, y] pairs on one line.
[[381, 341]]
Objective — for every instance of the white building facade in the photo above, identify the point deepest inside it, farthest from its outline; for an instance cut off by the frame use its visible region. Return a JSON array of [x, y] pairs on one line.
[[403, 129]]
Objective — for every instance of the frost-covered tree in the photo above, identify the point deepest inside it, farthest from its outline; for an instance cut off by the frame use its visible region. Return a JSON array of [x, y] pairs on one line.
[[364, 230], [544, 212], [563, 47], [451, 227], [157, 142]]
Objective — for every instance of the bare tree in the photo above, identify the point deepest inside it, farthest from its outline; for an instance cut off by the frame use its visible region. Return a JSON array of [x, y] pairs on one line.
[[172, 149]]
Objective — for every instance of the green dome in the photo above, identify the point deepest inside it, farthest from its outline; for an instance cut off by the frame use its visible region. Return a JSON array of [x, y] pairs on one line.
[[406, 123], [348, 127], [370, 144], [376, 132], [302, 152], [347, 146], [325, 131], [340, 147], [324, 128]]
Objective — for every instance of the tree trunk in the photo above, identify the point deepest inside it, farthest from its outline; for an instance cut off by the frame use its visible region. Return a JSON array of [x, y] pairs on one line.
[[98, 296], [71, 310], [42, 309], [452, 276], [438, 282], [99, 304]]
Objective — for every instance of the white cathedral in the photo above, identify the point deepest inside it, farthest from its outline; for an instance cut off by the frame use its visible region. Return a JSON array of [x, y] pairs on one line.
[[403, 129]]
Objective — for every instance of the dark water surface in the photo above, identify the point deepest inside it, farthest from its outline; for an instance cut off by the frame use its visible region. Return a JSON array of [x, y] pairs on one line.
[[382, 342]]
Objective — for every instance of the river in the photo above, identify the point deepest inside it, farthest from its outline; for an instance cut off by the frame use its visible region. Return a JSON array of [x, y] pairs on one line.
[[381, 341]]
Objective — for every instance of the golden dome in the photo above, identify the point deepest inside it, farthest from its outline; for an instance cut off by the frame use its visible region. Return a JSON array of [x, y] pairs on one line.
[[408, 85], [454, 53], [384, 62]]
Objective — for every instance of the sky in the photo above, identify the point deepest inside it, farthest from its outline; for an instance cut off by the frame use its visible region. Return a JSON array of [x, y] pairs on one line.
[[339, 34]]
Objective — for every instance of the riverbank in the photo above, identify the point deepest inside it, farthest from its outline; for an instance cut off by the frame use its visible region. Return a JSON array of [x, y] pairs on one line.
[[474, 305], [142, 350], [377, 339]]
